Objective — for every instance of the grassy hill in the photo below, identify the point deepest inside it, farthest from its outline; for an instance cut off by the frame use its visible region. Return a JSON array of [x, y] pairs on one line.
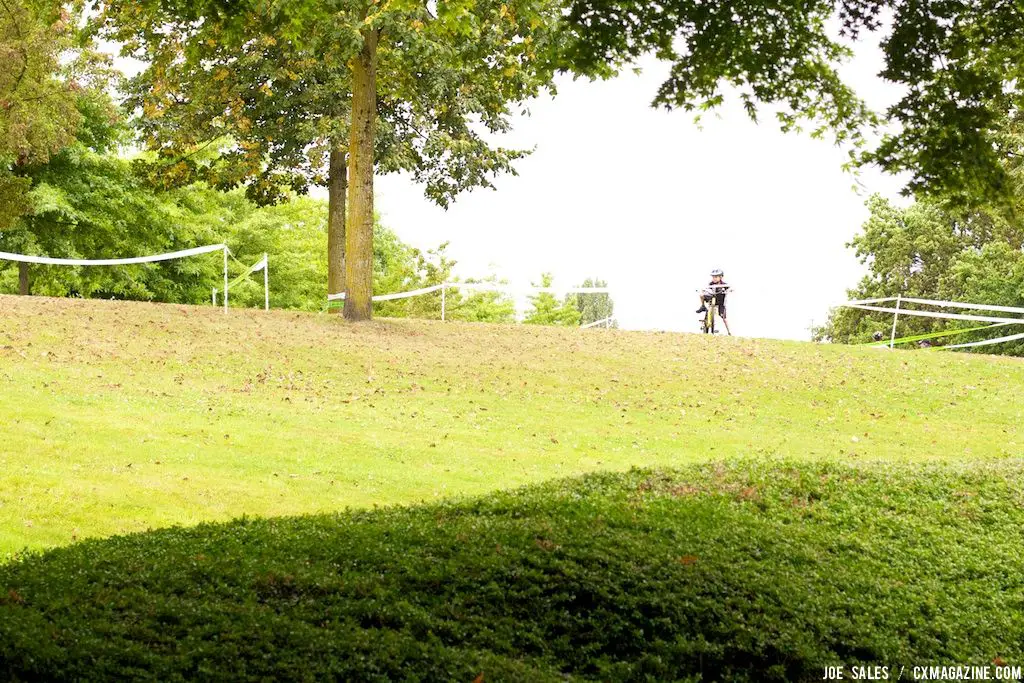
[[796, 506], [118, 417]]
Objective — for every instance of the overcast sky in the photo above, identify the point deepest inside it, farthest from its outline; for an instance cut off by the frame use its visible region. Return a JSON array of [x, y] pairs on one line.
[[650, 202]]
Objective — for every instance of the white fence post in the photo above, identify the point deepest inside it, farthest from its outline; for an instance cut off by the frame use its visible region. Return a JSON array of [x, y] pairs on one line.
[[213, 295], [444, 298], [225, 279], [266, 282], [895, 317]]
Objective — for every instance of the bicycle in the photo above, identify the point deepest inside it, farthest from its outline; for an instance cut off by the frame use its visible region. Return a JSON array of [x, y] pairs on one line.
[[708, 299]]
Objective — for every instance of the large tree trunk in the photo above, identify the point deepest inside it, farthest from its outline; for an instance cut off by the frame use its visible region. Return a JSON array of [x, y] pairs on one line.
[[359, 232], [23, 279], [337, 187]]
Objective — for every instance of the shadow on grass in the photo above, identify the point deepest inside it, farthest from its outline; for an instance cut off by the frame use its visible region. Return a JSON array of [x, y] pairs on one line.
[[739, 571]]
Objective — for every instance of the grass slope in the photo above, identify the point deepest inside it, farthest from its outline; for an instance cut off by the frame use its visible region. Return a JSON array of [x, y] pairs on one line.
[[749, 571], [118, 417]]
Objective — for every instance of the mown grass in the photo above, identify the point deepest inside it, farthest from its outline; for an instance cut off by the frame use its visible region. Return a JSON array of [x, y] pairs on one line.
[[119, 417], [751, 570]]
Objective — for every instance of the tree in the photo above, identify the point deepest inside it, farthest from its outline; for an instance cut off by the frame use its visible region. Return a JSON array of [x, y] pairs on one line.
[[594, 307], [295, 87], [230, 100], [295, 234], [45, 72], [38, 113], [547, 310], [84, 204], [483, 306], [958, 63], [932, 251], [430, 269]]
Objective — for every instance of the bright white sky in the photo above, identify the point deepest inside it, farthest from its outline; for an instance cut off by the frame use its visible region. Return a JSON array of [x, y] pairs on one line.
[[648, 201]]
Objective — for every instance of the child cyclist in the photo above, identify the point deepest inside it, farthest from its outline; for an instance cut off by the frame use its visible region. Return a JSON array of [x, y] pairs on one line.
[[720, 289]]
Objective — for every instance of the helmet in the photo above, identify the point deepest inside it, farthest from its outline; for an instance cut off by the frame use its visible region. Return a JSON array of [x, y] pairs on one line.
[[717, 272]]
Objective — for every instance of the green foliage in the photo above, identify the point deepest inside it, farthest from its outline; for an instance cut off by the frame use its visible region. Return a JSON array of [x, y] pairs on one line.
[[742, 571], [49, 74], [483, 306], [434, 268], [14, 200], [85, 202], [37, 104], [594, 307], [89, 205], [931, 251], [779, 54], [959, 119], [294, 234], [959, 64], [545, 309], [270, 87]]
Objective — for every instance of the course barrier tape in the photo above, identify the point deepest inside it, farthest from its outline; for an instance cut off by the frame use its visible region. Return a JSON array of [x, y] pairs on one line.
[[984, 342], [391, 297], [46, 260], [881, 300], [999, 321], [254, 268], [936, 335], [262, 264], [604, 322], [934, 314], [934, 302], [488, 287], [480, 286]]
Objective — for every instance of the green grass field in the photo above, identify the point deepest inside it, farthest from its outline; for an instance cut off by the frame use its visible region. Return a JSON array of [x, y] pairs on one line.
[[749, 510], [119, 417]]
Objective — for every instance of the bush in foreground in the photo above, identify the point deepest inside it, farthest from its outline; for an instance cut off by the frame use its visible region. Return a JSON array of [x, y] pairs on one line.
[[743, 571]]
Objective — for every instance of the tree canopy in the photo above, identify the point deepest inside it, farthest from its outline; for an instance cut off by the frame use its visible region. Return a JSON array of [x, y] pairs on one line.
[[959, 65], [298, 88], [46, 72], [594, 307], [933, 251], [546, 309]]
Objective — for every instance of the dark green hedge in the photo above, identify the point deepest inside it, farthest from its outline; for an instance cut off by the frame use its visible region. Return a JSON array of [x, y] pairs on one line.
[[749, 571]]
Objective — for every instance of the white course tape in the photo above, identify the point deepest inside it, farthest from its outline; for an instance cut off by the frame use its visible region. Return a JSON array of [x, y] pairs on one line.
[[480, 286], [406, 295], [390, 297], [934, 302], [45, 260], [868, 301], [603, 321], [957, 304], [984, 342], [934, 314], [488, 287]]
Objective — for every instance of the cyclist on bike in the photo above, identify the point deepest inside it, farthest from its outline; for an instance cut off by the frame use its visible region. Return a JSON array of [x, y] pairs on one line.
[[720, 288]]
